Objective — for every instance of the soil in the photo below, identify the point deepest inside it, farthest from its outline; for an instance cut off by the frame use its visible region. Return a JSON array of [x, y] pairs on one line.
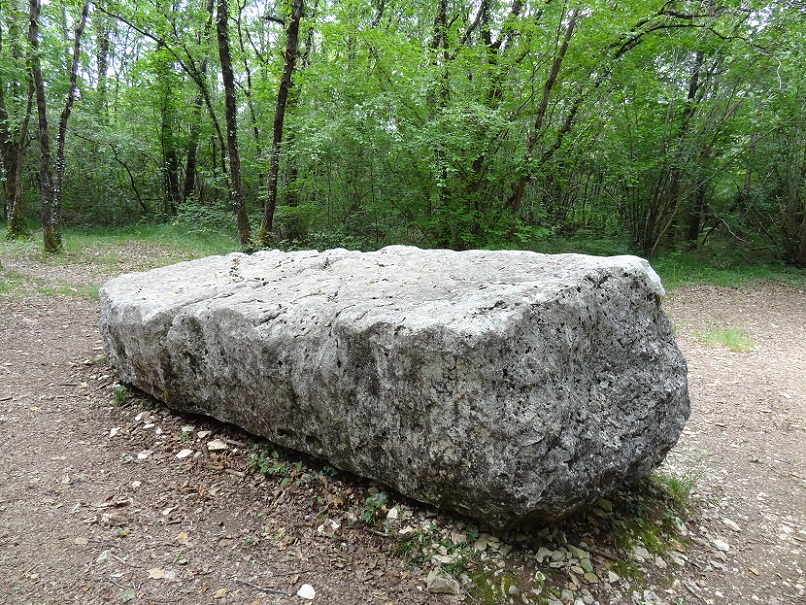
[[96, 507]]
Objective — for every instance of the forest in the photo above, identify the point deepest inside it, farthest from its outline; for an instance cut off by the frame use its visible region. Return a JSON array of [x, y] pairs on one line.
[[666, 124]]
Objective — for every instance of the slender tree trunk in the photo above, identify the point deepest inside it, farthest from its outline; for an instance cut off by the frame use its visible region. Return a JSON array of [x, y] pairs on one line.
[[13, 134], [170, 156], [516, 199], [50, 228], [101, 24], [12, 165], [231, 115], [279, 117], [58, 181], [165, 88], [198, 102]]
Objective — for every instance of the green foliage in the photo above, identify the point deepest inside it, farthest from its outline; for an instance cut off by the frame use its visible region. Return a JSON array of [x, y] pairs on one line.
[[121, 394], [418, 546], [268, 460], [658, 130], [374, 506]]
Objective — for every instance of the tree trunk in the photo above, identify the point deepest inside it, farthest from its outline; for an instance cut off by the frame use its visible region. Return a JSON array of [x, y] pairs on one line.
[[101, 22], [50, 228], [516, 199], [12, 166], [193, 142], [12, 146], [279, 117], [170, 156], [61, 136], [231, 115]]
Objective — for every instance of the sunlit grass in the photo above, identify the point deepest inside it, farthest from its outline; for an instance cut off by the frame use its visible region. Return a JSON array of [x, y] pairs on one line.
[[9, 281], [733, 339], [684, 269], [89, 291], [131, 248]]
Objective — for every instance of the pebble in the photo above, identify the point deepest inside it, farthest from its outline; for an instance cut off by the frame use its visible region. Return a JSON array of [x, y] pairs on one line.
[[731, 524], [677, 559], [307, 592], [720, 545], [184, 454], [640, 554], [438, 582], [216, 445]]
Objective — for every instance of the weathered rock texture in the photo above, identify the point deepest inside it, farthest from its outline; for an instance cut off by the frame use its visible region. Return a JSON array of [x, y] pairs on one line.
[[505, 385]]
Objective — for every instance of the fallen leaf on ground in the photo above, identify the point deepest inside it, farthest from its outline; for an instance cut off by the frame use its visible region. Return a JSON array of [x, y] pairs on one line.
[[128, 595]]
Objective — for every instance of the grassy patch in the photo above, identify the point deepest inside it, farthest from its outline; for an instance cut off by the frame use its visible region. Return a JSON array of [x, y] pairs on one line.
[[77, 290], [146, 245], [678, 269], [733, 339], [9, 281]]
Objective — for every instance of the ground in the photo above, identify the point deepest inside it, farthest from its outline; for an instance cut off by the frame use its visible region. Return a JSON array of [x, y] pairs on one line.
[[96, 506]]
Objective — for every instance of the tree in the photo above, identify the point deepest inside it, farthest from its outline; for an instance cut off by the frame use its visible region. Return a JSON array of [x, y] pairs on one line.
[[231, 116], [292, 37], [16, 104], [50, 187]]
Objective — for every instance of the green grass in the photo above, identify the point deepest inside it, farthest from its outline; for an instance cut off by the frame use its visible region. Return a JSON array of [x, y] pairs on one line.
[[154, 245], [113, 250], [9, 280], [678, 269], [77, 290], [733, 339]]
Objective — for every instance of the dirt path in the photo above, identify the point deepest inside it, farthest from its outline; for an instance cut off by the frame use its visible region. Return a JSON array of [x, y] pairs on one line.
[[96, 507]]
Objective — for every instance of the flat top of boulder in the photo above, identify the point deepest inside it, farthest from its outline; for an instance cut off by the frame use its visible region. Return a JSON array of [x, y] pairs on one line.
[[443, 279]]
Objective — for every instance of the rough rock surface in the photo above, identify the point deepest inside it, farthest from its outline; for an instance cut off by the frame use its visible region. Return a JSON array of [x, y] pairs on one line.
[[509, 386]]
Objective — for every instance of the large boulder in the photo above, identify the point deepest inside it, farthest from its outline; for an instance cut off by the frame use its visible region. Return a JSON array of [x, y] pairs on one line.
[[508, 386]]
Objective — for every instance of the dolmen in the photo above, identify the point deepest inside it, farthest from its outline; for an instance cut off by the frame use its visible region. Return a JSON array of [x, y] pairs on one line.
[[509, 386]]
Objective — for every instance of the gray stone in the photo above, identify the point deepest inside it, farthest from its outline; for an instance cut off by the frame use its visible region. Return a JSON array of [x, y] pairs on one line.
[[439, 582], [509, 386]]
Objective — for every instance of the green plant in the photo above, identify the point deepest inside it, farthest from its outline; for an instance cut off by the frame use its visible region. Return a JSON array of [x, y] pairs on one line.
[[269, 462], [676, 488], [121, 394], [419, 547], [734, 339], [373, 506], [493, 586]]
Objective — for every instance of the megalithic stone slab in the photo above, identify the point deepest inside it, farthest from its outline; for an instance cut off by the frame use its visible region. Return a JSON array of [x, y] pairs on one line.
[[507, 385]]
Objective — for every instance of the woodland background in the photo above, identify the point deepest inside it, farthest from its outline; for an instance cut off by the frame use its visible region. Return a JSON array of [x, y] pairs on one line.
[[652, 125]]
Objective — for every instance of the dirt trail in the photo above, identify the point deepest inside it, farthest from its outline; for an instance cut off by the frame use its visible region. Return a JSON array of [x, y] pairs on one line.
[[95, 507]]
